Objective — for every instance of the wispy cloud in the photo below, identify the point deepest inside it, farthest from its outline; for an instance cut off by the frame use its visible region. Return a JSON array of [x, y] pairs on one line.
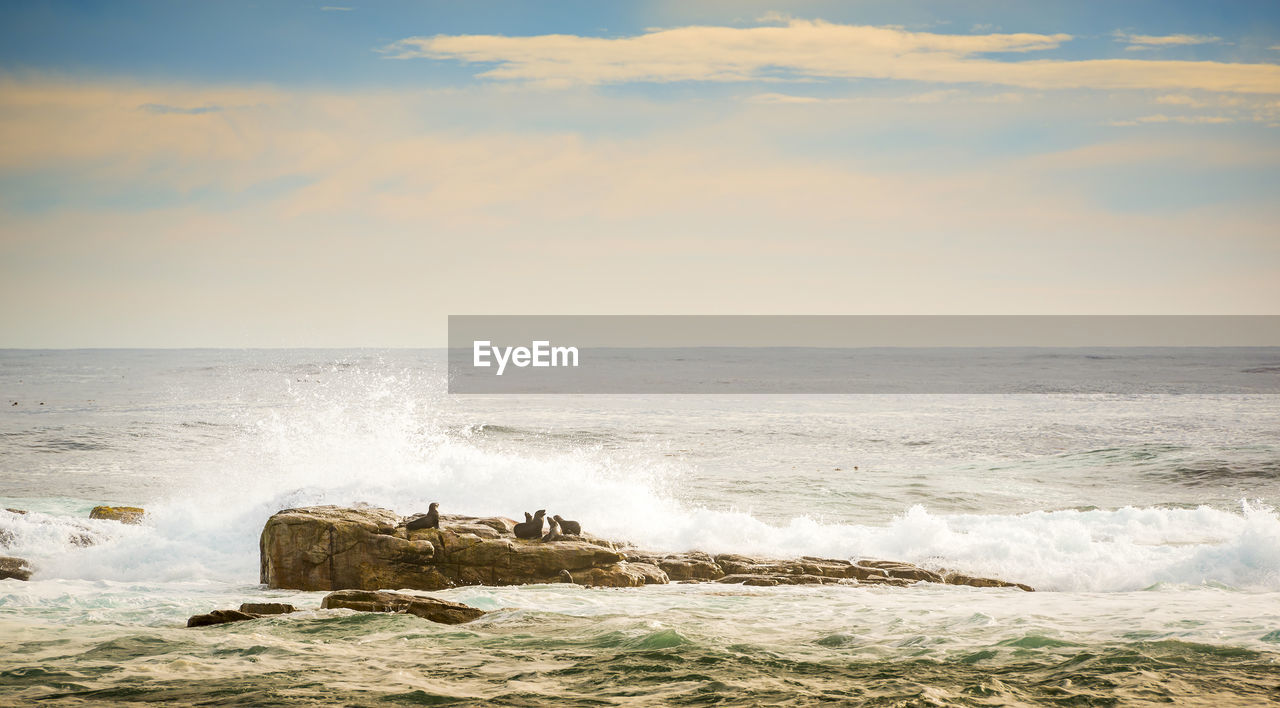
[[1151, 41], [1179, 99], [160, 108], [1186, 120], [336, 8], [789, 99], [805, 50]]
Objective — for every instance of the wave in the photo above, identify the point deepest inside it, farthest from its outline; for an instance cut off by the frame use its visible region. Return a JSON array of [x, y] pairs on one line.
[[382, 440], [211, 533]]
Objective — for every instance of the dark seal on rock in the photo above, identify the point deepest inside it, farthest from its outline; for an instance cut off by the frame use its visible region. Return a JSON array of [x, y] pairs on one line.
[[429, 520], [553, 531], [572, 528], [531, 528]]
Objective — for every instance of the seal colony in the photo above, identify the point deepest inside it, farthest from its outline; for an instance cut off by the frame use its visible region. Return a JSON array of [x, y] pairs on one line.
[[368, 548], [530, 528]]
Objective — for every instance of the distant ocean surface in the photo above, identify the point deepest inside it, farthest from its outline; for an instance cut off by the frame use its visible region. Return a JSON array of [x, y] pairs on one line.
[[1147, 523]]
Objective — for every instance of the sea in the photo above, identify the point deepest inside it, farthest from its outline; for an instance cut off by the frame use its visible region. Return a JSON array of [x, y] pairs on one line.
[[1146, 522]]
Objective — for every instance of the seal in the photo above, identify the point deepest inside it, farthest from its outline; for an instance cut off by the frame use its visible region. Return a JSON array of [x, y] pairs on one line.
[[531, 528], [429, 520], [553, 531], [573, 528]]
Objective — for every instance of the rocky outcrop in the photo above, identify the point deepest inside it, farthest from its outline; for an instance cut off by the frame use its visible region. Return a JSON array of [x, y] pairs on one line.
[[220, 617], [247, 611], [366, 548], [267, 608], [335, 548], [15, 568], [430, 608], [123, 514]]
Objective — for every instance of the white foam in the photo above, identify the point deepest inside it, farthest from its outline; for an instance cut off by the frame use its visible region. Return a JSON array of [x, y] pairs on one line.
[[378, 442]]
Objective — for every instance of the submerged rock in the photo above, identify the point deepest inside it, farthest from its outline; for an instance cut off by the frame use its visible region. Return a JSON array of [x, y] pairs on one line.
[[15, 568], [430, 608], [123, 514], [220, 617], [247, 611], [367, 548], [267, 608]]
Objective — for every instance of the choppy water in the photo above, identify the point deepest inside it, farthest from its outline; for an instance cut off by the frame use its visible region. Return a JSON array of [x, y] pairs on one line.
[[1147, 522]]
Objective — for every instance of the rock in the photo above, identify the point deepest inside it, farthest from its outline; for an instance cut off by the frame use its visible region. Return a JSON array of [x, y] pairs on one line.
[[962, 579], [332, 548], [367, 548], [16, 511], [430, 608], [904, 571], [749, 579], [621, 575], [694, 565], [220, 617], [267, 608], [14, 568], [123, 514]]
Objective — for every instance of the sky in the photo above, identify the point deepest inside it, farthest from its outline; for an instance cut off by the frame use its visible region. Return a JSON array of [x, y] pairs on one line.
[[288, 174]]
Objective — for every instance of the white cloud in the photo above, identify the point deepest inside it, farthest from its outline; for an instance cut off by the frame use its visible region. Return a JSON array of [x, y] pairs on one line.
[[806, 50], [1179, 99], [1162, 118], [400, 220], [1150, 41], [773, 17], [787, 98]]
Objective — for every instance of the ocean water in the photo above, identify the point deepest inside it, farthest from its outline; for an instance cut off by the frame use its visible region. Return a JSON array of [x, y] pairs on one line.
[[1147, 523]]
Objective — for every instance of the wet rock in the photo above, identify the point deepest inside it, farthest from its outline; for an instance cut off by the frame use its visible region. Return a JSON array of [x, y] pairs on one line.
[[220, 617], [429, 608], [694, 565], [962, 579], [367, 548], [123, 514], [904, 571], [749, 579], [330, 548], [267, 608], [14, 568], [333, 548]]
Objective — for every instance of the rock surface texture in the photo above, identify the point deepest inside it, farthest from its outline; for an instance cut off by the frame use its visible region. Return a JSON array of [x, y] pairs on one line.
[[16, 568], [367, 548], [436, 610], [247, 611], [123, 514]]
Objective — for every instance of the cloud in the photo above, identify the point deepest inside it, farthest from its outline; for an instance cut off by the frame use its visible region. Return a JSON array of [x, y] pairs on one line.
[[1148, 41], [774, 17], [336, 8], [1186, 120], [1181, 100], [163, 109], [402, 218], [807, 50], [787, 98]]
